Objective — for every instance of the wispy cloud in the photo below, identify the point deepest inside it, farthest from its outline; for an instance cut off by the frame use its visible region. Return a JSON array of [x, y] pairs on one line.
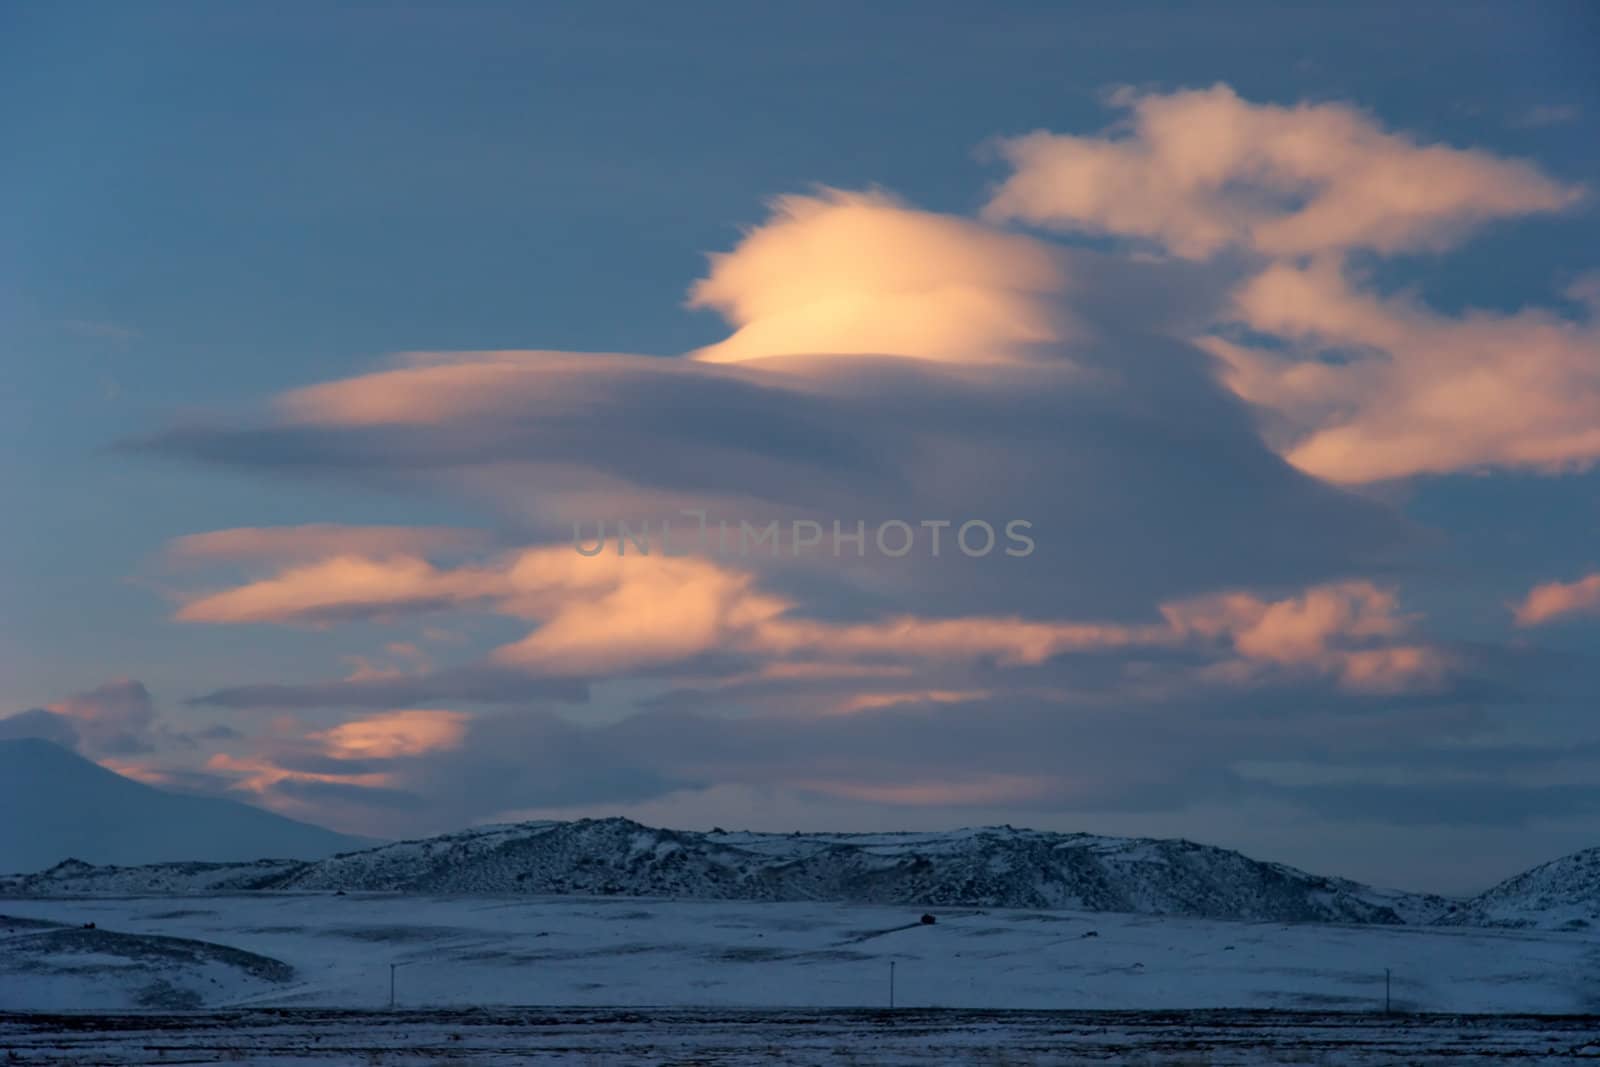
[[100, 331], [319, 541], [1548, 115]]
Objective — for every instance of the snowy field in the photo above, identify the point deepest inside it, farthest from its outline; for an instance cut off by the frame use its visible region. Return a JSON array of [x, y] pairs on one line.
[[739, 981]]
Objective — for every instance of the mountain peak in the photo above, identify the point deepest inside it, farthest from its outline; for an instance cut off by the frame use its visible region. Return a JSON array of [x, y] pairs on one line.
[[38, 748], [61, 805]]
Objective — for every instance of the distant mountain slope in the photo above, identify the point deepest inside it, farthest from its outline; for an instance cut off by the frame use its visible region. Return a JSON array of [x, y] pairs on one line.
[[59, 805], [991, 867], [1563, 894]]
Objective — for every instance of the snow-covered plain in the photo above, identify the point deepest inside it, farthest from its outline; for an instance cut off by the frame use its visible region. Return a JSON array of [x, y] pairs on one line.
[[304, 978], [577, 951]]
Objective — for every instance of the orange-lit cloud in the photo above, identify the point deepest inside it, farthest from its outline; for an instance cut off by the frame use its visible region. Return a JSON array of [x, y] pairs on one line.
[[1414, 392], [1328, 629], [409, 732], [1556, 600], [992, 789], [343, 587], [433, 387], [871, 701], [1364, 387], [610, 613], [859, 273], [259, 774], [1201, 170]]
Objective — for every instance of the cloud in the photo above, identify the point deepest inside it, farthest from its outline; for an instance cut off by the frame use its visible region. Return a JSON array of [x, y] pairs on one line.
[[611, 614], [1004, 752], [100, 331], [1180, 431], [112, 724], [260, 774], [116, 718], [1360, 387], [861, 273], [477, 683], [317, 541], [1346, 630], [1548, 115], [1478, 803], [40, 723], [343, 587], [1202, 170], [298, 768], [395, 733], [1369, 388], [1108, 433], [1556, 600]]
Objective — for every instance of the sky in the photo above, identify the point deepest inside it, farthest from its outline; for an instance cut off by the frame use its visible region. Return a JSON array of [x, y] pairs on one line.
[[1244, 361]]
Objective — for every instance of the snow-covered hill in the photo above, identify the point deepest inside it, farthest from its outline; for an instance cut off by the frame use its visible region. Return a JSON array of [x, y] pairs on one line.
[[59, 805], [989, 867], [54, 964], [1563, 894]]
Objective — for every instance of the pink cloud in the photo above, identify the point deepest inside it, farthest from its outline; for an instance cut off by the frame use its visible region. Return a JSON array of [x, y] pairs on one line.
[[408, 732], [983, 790], [259, 774], [607, 614], [1556, 600], [1350, 630], [345, 586], [115, 718], [1202, 170], [434, 387], [1417, 392]]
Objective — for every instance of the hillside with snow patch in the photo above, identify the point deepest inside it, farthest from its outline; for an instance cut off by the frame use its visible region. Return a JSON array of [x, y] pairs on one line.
[[987, 867], [1563, 894]]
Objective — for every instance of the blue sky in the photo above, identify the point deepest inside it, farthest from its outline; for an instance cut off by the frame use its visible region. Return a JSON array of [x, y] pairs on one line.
[[212, 206]]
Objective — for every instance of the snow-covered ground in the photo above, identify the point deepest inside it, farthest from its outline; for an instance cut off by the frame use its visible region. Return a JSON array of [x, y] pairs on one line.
[[303, 979], [576, 951]]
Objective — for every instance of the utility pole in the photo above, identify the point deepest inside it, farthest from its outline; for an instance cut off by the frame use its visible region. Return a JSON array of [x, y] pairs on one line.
[[1386, 991], [891, 983], [392, 968]]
